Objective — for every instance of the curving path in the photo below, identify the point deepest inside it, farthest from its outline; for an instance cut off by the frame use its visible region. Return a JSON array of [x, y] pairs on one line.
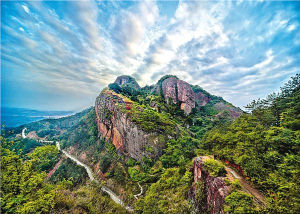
[[258, 197], [137, 195], [232, 174], [23, 133], [112, 195]]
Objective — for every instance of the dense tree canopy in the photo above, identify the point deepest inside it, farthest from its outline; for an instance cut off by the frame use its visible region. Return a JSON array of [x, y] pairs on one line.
[[265, 143]]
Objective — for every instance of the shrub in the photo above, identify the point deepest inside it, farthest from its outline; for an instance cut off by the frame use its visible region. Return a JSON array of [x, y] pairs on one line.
[[238, 202], [131, 162], [236, 185], [105, 162], [215, 168]]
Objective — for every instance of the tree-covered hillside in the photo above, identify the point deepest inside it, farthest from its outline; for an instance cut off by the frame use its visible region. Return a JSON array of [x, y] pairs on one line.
[[257, 150], [265, 144]]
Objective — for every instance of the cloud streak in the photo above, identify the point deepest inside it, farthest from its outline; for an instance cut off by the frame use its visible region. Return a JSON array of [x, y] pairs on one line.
[[238, 50]]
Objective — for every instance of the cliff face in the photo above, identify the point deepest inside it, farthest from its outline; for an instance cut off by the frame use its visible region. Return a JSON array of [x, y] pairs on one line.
[[115, 124], [177, 91], [180, 92], [201, 99], [215, 189], [114, 113]]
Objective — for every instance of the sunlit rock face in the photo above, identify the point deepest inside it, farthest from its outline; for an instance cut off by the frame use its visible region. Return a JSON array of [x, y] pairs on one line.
[[186, 96], [115, 125], [215, 189], [178, 91], [169, 89]]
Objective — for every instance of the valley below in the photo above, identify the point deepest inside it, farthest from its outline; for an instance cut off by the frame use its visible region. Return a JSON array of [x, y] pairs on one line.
[[167, 148]]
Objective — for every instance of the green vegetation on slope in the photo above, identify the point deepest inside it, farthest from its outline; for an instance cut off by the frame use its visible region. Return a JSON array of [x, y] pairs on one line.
[[22, 146], [151, 120], [265, 144], [49, 128], [68, 170], [215, 168], [168, 194], [25, 189]]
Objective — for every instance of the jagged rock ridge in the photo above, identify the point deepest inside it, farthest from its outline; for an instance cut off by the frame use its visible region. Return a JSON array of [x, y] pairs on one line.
[[115, 124], [188, 96], [177, 91]]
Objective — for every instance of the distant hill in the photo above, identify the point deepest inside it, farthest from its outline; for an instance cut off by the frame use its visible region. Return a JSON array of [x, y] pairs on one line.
[[13, 117]]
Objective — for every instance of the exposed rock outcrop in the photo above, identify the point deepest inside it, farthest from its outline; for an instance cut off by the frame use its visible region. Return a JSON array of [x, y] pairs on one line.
[[115, 124], [180, 92], [127, 81], [177, 91], [114, 118], [227, 111], [215, 189], [201, 99]]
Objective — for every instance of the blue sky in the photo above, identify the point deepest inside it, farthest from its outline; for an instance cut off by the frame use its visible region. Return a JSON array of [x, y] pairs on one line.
[[60, 54]]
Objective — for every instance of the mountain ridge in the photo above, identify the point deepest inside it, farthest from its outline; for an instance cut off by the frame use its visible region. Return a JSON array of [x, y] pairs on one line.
[[135, 139], [139, 126]]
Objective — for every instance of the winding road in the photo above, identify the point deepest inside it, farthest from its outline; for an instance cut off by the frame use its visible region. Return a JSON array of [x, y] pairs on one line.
[[112, 195], [23, 133], [141, 192]]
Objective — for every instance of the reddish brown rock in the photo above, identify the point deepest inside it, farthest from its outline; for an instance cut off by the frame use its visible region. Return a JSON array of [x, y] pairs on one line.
[[215, 189], [186, 108], [115, 125], [52, 171], [186, 96], [177, 91], [169, 88], [117, 139], [201, 99], [102, 128]]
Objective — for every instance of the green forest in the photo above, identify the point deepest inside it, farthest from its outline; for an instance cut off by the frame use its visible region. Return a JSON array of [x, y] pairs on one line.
[[262, 144], [265, 144]]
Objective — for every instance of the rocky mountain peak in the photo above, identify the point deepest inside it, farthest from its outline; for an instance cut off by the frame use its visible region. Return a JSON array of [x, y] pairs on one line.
[[177, 91], [125, 80], [188, 96]]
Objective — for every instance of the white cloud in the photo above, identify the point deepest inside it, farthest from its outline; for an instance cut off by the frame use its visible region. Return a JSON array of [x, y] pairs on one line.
[[132, 26], [291, 27], [25, 8], [221, 46]]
